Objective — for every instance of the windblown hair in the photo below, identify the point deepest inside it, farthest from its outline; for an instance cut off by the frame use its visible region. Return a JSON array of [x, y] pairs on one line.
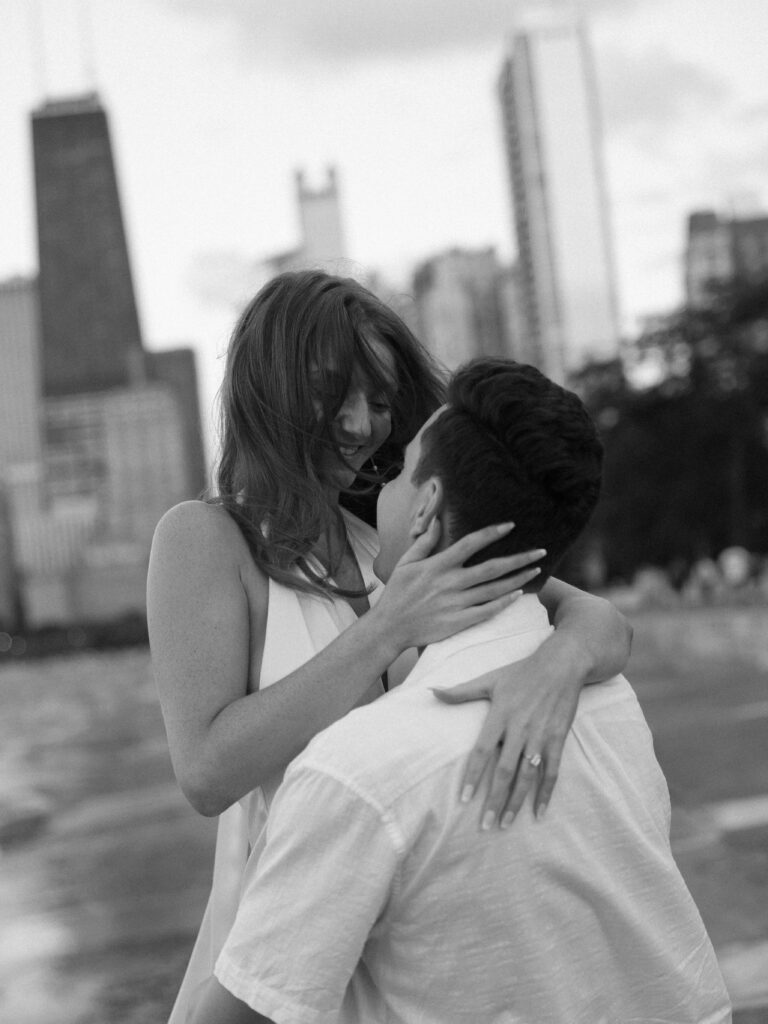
[[295, 350], [513, 446]]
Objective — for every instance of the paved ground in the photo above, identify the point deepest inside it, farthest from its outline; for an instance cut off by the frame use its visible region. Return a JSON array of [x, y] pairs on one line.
[[710, 727], [105, 869]]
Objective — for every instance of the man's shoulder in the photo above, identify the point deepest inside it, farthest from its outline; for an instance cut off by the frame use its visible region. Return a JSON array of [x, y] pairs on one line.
[[381, 750]]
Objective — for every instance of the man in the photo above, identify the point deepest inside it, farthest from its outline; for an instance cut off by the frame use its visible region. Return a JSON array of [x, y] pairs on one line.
[[377, 898]]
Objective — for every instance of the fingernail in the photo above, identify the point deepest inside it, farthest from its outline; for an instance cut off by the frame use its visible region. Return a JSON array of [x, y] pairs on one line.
[[514, 595], [535, 572], [467, 793], [507, 820], [488, 819], [540, 811], [505, 528]]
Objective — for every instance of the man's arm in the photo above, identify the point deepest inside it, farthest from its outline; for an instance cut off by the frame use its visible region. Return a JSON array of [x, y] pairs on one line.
[[532, 702], [319, 886], [217, 1005]]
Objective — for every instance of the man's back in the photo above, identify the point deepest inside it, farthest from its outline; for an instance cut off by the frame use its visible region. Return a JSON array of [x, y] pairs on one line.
[[580, 917]]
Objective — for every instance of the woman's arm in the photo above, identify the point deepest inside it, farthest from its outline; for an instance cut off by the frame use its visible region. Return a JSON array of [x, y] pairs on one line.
[[207, 634], [532, 702], [592, 636]]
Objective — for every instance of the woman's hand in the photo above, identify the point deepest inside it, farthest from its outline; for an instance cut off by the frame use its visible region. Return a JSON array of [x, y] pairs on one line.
[[430, 597], [533, 701], [532, 704]]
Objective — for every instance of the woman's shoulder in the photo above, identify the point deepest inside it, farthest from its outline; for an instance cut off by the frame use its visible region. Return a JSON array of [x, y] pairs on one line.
[[196, 518], [201, 532]]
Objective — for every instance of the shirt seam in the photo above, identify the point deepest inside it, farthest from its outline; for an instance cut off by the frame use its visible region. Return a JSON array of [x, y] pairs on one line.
[[384, 815], [248, 989], [391, 827]]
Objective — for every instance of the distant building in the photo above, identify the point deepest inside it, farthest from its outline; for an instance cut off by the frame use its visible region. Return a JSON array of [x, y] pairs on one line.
[[520, 344], [50, 545], [9, 587], [554, 154], [177, 369], [114, 462], [19, 372], [322, 243], [20, 428], [320, 214], [721, 249], [461, 305], [98, 438], [124, 450], [90, 325]]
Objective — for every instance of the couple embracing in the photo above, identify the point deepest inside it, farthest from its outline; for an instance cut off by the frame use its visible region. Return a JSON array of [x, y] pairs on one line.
[[368, 882]]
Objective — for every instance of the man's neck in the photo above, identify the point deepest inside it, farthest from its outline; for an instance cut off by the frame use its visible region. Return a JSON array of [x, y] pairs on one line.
[[526, 615]]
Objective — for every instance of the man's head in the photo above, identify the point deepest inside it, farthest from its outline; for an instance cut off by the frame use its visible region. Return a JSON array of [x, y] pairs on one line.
[[509, 445]]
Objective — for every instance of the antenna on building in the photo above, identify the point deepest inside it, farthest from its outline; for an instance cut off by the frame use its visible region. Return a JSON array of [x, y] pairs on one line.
[[87, 47], [37, 32]]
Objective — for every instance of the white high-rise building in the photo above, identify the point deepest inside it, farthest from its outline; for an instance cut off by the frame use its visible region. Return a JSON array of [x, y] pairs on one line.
[[554, 150], [321, 228], [322, 245]]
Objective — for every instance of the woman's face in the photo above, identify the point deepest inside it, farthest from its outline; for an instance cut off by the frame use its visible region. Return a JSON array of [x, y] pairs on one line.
[[363, 422]]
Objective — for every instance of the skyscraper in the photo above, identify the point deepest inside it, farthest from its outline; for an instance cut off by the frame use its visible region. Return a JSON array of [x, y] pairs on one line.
[[20, 440], [118, 431], [20, 434], [723, 249], [177, 369], [90, 326], [322, 242], [553, 145], [321, 229]]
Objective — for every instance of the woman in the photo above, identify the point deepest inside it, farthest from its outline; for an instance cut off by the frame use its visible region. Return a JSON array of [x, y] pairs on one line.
[[266, 621]]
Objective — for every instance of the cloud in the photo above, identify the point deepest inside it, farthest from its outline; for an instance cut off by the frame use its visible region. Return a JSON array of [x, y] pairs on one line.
[[343, 30], [755, 115], [225, 279], [734, 178], [649, 93]]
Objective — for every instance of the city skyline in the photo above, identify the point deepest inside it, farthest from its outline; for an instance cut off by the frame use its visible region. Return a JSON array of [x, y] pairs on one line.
[[406, 110], [102, 437]]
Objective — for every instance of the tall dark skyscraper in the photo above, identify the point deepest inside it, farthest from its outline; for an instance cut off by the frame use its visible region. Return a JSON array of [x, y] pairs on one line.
[[91, 339]]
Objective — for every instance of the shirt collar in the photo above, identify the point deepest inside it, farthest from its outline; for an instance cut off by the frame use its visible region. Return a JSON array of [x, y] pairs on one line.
[[524, 616]]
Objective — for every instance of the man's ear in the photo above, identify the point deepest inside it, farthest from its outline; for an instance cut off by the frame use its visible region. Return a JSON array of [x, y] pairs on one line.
[[428, 505]]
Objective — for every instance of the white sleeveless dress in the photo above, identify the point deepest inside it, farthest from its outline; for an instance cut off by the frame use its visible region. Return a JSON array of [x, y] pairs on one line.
[[298, 626]]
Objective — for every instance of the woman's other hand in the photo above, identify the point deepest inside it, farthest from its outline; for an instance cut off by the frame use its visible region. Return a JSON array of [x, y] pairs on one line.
[[532, 704], [533, 701], [429, 597]]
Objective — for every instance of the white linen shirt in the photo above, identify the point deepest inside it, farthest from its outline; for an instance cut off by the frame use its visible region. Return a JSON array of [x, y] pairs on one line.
[[378, 898]]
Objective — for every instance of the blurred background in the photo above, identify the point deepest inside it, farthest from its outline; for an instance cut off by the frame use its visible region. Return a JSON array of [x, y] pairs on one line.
[[581, 186]]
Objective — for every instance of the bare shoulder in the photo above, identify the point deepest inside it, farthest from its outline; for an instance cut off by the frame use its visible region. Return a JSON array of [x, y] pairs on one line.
[[195, 526], [195, 539]]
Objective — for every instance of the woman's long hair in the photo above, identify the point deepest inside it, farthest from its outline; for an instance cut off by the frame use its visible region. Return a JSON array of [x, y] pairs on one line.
[[294, 350]]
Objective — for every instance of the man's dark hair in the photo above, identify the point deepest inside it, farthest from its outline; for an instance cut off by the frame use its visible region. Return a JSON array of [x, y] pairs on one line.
[[514, 446]]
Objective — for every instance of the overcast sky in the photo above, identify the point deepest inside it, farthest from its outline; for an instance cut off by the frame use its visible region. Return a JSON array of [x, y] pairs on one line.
[[214, 103]]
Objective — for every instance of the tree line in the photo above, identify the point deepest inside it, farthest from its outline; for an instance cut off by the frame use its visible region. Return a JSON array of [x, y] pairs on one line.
[[686, 454]]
